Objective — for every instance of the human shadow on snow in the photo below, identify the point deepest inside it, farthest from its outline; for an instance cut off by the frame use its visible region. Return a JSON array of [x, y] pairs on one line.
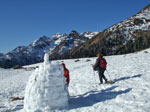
[[92, 97], [126, 78]]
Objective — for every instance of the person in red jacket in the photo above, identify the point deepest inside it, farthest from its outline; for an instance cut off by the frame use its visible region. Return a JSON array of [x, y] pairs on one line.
[[66, 73]]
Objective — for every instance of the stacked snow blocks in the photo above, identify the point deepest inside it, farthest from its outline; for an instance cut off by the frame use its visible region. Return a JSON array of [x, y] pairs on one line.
[[46, 89]]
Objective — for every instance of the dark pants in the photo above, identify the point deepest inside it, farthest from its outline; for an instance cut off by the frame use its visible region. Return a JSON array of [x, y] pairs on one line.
[[101, 76]]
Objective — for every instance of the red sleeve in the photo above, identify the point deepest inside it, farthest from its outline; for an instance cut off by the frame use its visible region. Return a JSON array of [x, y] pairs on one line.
[[66, 74]]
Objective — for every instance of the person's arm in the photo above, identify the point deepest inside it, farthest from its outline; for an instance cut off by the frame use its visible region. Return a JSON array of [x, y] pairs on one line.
[[96, 65], [67, 76]]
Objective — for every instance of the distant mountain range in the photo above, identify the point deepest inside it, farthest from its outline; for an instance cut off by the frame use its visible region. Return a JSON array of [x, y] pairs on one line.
[[1, 54], [57, 45], [130, 35]]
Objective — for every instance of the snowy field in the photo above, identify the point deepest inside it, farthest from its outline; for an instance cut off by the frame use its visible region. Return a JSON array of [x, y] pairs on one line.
[[129, 93]]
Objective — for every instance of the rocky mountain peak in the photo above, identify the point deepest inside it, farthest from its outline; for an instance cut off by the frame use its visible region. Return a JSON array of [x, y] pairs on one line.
[[144, 13], [146, 9], [86, 32], [89, 34], [1, 54], [39, 41], [74, 34], [43, 37], [58, 35], [18, 49]]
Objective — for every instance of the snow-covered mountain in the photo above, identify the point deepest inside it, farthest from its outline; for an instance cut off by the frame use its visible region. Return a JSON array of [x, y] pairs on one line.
[[33, 53], [130, 35], [1, 54], [89, 34]]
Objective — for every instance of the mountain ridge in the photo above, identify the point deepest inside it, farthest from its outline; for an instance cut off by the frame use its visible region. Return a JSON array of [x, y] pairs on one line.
[[129, 35], [1, 54], [34, 52]]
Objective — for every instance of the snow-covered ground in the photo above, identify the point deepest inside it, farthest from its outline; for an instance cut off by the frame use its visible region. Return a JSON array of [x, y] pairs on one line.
[[130, 92]]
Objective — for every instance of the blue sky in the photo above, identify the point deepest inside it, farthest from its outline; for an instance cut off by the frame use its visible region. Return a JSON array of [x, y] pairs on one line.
[[23, 21]]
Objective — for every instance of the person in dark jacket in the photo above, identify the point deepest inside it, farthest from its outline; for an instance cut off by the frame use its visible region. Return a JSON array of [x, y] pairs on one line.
[[101, 70]]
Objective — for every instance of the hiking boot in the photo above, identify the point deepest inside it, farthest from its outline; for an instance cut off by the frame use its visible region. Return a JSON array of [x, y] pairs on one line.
[[100, 83]]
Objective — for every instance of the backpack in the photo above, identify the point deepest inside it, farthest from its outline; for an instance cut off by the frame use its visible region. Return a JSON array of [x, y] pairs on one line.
[[103, 63]]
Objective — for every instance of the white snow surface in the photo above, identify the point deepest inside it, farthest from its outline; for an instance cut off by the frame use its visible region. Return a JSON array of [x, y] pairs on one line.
[[46, 89], [129, 93], [89, 34]]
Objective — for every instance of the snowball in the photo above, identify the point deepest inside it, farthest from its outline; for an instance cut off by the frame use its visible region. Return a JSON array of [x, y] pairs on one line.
[[46, 89]]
